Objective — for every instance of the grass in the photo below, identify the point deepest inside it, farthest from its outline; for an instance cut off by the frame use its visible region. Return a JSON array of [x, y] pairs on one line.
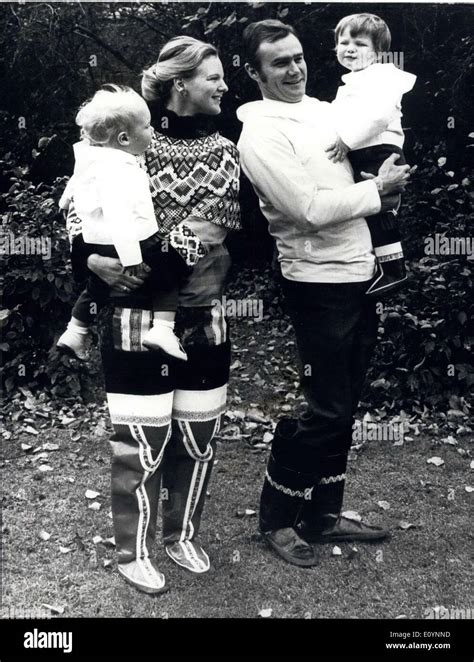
[[417, 569]]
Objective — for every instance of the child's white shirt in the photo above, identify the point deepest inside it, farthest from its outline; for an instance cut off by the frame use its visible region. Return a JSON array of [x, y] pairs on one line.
[[367, 108], [112, 198]]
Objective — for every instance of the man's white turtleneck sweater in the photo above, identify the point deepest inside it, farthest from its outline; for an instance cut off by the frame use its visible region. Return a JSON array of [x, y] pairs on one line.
[[314, 209]]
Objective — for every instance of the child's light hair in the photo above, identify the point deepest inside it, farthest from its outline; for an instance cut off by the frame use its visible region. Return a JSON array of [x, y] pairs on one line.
[[367, 24], [179, 58], [114, 108]]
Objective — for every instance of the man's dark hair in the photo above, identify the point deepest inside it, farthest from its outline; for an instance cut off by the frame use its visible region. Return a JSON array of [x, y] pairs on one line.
[[256, 33]]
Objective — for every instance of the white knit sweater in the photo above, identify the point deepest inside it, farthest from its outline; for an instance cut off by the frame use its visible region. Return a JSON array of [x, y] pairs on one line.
[[314, 209]]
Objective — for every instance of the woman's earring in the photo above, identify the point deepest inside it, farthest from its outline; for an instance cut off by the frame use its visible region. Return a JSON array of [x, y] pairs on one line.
[[183, 92]]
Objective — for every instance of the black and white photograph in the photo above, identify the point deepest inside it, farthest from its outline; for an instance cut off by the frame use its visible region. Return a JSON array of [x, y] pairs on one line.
[[237, 325]]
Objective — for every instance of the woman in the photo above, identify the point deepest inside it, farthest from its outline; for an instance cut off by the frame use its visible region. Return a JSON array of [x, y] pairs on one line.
[[166, 415]]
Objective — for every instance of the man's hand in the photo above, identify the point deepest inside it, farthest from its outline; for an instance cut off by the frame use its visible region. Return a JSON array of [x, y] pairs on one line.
[[110, 270], [337, 151], [390, 178]]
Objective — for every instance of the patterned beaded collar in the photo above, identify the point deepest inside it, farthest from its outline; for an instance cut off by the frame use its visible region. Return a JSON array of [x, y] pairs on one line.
[[170, 124]]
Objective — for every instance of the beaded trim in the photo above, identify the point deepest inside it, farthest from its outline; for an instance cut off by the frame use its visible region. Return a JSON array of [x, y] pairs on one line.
[[332, 479], [286, 490]]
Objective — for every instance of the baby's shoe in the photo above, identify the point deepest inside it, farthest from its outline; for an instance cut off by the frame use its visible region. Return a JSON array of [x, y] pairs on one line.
[[74, 341], [161, 336]]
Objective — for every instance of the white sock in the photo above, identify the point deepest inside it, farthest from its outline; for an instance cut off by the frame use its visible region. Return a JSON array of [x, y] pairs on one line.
[[159, 322], [82, 330], [389, 249]]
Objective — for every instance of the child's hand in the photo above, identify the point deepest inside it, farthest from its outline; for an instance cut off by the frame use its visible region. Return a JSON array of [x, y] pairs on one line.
[[337, 151], [137, 270]]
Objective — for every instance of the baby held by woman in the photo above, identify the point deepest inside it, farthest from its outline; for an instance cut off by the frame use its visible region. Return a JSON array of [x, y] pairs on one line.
[[112, 199]]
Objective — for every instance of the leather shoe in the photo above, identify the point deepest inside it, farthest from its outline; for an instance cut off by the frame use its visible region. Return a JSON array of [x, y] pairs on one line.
[[288, 544], [340, 529]]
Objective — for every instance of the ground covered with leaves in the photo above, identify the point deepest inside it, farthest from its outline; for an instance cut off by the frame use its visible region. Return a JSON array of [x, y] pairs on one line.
[[57, 531]]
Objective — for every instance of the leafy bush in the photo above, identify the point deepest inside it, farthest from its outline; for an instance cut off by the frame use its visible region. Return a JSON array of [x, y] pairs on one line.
[[37, 291], [424, 356]]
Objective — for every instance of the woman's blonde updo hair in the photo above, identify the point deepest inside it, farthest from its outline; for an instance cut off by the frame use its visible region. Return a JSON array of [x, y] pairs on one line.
[[179, 58]]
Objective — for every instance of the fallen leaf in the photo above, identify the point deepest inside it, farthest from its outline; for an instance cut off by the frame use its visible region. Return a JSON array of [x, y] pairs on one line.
[[265, 613], [404, 525], [336, 551], [50, 447], [26, 447], [235, 413], [45, 467], [244, 513], [401, 616], [449, 440], [256, 416], [90, 494], [352, 514], [469, 489], [71, 479], [267, 438], [437, 461], [44, 535], [384, 505], [54, 608], [65, 550], [472, 464], [31, 430], [97, 539], [107, 563], [40, 456], [95, 506], [109, 542]]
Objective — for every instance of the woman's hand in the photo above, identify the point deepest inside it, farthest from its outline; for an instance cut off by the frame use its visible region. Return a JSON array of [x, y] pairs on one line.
[[390, 178], [110, 270]]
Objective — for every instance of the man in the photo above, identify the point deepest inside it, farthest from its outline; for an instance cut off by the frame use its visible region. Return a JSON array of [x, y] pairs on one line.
[[316, 214]]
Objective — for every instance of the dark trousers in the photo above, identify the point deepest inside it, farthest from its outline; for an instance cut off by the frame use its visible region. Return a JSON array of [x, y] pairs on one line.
[[383, 226], [163, 280], [336, 329]]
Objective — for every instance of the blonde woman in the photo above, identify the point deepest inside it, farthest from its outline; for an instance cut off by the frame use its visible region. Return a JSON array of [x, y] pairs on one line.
[[166, 414]]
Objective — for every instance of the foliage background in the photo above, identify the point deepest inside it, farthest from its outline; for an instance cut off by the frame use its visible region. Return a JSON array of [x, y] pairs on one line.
[[54, 55]]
